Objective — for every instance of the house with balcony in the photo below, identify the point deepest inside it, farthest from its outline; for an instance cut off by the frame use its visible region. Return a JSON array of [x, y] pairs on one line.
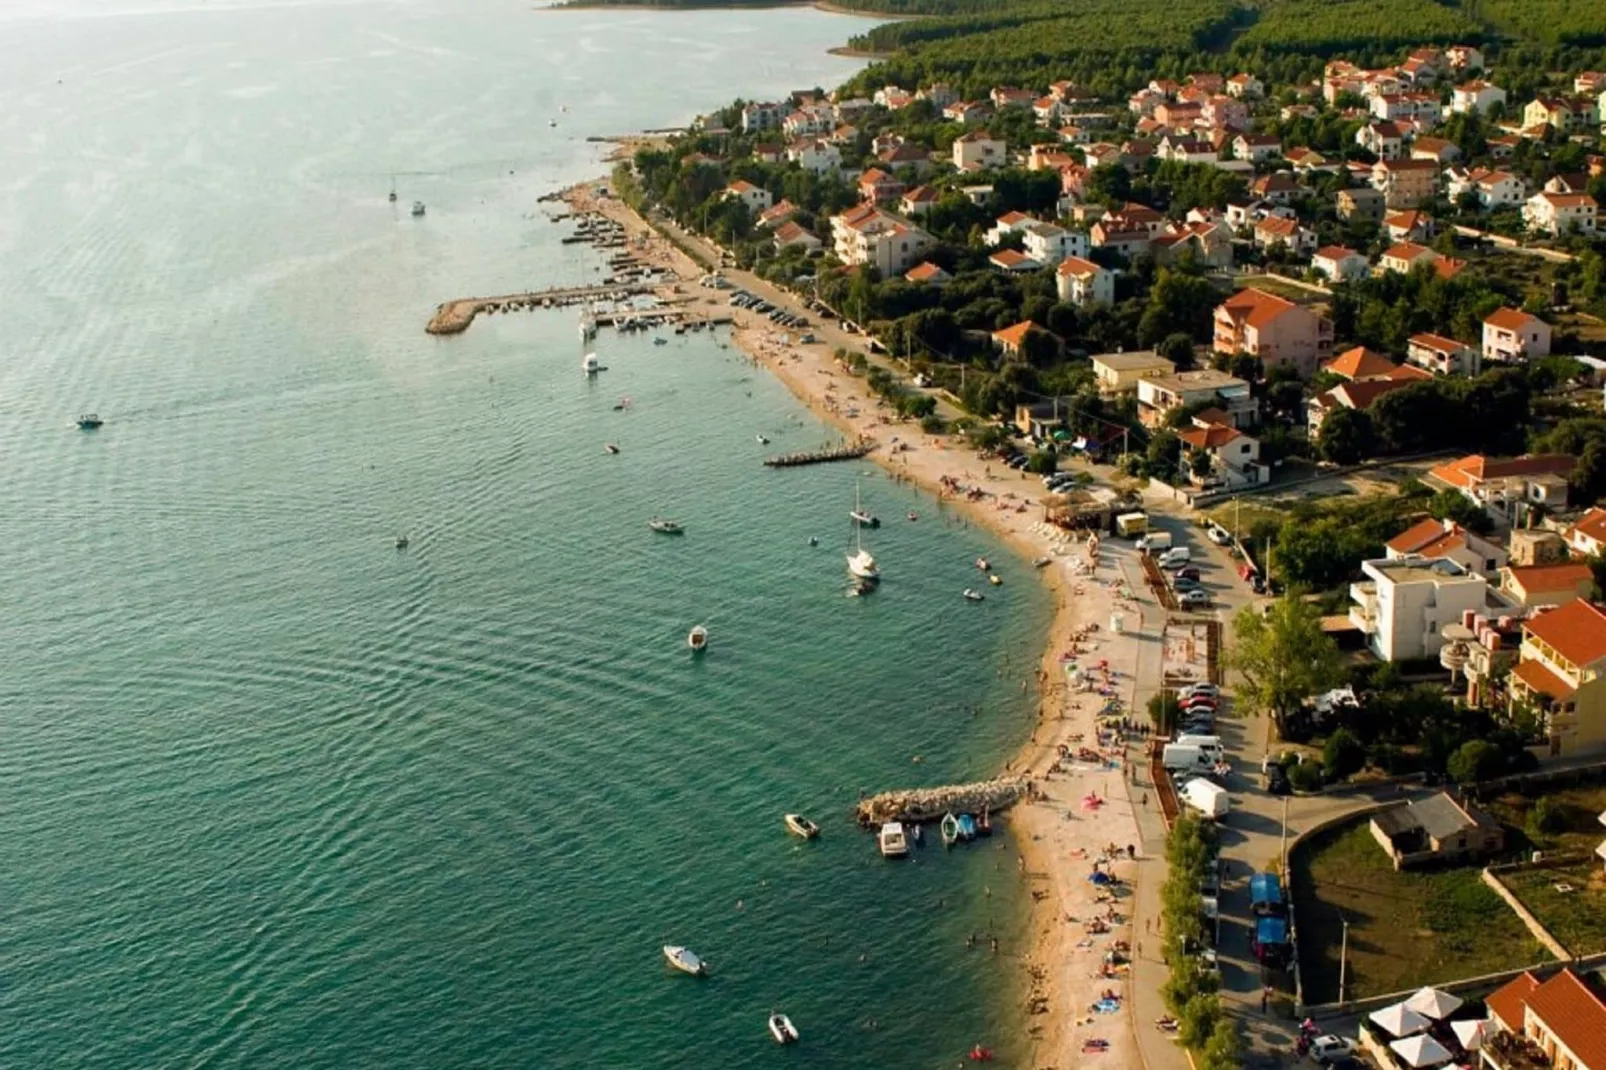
[[1557, 1024], [1512, 336], [755, 198], [1339, 263], [978, 151], [1232, 456], [1405, 183], [1561, 674], [1159, 394], [1442, 356], [867, 236], [1385, 140], [1358, 395], [1586, 536], [1507, 486], [1277, 230], [1476, 97], [1084, 284], [1403, 603], [1560, 213], [1274, 330], [1435, 539], [815, 155], [1050, 243]]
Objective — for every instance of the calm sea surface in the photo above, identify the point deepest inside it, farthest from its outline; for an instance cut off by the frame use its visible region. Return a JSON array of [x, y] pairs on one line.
[[274, 794]]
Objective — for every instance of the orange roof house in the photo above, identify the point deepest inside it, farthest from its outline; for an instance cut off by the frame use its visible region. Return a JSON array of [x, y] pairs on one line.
[[1360, 364], [1563, 1017]]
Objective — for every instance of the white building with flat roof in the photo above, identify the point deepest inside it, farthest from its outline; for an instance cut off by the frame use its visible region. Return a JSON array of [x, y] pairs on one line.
[[1403, 604]]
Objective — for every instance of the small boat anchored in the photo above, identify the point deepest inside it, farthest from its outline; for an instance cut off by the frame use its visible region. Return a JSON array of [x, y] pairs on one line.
[[418, 208], [1043, 562], [611, 448], [401, 542], [891, 840], [590, 364], [798, 825], [861, 563], [685, 960], [950, 830], [782, 1029], [697, 639], [983, 564], [89, 422], [973, 595], [995, 579], [665, 526]]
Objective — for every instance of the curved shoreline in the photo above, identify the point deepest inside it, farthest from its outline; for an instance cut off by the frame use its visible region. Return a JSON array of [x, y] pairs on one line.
[[1055, 840]]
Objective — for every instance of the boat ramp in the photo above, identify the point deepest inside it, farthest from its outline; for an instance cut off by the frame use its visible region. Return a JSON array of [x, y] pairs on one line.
[[847, 451], [929, 804]]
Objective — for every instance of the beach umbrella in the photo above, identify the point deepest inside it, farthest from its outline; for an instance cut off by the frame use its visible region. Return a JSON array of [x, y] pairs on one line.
[[1432, 1003], [1420, 1051], [1470, 1032], [1398, 1020]]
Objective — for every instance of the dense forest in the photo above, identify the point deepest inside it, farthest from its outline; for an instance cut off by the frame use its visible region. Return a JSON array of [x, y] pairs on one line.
[[1114, 45]]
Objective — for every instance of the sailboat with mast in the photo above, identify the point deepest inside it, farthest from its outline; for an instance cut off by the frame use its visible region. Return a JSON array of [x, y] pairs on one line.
[[861, 563]]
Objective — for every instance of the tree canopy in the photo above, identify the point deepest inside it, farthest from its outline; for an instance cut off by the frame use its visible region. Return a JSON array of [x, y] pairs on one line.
[[1283, 655]]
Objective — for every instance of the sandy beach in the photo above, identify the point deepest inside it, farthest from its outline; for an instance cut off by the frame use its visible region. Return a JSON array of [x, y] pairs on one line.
[[1064, 833]]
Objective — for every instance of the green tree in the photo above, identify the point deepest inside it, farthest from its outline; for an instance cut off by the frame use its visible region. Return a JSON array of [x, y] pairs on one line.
[[1177, 347], [1043, 462], [1453, 505], [1343, 754], [1224, 1049], [1346, 437], [1283, 655], [1165, 712], [1475, 761]]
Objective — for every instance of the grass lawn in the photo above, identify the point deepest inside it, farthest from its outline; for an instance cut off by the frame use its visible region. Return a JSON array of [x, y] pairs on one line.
[[1576, 917], [1579, 811], [1406, 929]]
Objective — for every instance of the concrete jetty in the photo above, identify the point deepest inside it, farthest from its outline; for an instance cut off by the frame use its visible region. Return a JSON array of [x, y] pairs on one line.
[[845, 452], [453, 317], [929, 804]]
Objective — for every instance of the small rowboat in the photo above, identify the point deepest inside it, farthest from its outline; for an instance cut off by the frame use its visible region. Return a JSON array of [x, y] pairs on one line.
[[950, 830], [685, 960], [1042, 562], [967, 827], [995, 579], [697, 639], [982, 563], [799, 825], [665, 527], [972, 595], [782, 1029]]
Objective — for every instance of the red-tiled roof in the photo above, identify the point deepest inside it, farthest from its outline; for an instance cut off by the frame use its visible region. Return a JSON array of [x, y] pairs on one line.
[[1471, 470], [1593, 524], [1575, 1015], [1008, 258], [1075, 265], [1016, 335], [1541, 579], [1438, 343], [1256, 307], [1509, 1002], [1423, 537], [1360, 363], [924, 272], [1334, 252], [1209, 438], [1577, 631], [1508, 319]]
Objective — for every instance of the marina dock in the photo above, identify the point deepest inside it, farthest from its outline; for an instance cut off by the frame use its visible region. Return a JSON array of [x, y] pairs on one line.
[[846, 452], [453, 317], [929, 804]]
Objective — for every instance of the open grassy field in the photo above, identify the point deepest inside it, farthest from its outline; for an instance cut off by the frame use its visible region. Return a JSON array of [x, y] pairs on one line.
[[1406, 929], [1570, 901]]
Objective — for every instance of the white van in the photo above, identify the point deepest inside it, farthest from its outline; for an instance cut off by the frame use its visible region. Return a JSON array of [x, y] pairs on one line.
[[1154, 542], [1210, 800], [1187, 758], [1177, 555]]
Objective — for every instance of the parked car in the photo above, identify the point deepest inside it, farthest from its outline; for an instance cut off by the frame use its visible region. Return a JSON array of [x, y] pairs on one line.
[[1196, 690], [1328, 1048], [1218, 535], [1185, 583], [1194, 598], [1199, 702], [1190, 571]]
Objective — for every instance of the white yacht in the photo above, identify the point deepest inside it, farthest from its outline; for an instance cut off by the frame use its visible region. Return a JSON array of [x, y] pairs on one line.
[[685, 960], [891, 840], [861, 563]]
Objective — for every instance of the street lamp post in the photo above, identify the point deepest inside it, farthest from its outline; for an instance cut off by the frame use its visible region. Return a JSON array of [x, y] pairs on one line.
[[1343, 957]]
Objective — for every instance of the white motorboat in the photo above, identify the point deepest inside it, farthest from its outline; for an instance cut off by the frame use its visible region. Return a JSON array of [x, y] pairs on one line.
[[995, 579], [611, 448], [891, 840], [89, 422], [590, 364], [665, 526], [697, 639], [973, 595], [798, 825], [685, 960], [762, 441], [861, 563], [782, 1029], [418, 208], [983, 564]]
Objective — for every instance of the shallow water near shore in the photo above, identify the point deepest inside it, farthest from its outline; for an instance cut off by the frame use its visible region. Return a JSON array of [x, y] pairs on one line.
[[275, 794]]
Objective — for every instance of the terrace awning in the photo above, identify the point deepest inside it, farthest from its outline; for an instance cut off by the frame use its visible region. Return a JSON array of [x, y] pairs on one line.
[[1420, 1051], [1432, 1003], [1398, 1020]]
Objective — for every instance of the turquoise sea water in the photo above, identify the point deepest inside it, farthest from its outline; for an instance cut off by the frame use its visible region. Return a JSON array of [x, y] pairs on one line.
[[273, 794]]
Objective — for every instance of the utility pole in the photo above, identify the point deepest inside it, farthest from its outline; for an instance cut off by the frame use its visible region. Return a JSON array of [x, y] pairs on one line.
[[1282, 850], [1343, 957]]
